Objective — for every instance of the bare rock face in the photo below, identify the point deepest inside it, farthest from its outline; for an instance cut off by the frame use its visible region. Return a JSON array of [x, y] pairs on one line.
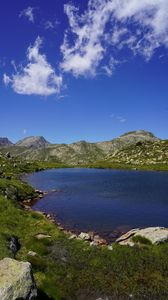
[[156, 235], [16, 280]]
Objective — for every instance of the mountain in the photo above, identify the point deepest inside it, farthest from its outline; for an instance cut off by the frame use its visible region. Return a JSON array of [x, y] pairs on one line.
[[126, 139], [135, 147], [4, 142], [33, 141]]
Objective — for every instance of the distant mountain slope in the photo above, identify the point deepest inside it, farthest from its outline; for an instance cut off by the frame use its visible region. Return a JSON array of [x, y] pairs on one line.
[[128, 148], [4, 142], [33, 141]]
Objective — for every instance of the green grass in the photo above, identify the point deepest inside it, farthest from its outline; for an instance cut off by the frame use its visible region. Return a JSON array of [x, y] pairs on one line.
[[71, 269]]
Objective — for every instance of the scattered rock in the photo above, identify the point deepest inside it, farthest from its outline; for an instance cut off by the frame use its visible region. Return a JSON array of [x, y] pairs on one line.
[[16, 280], [41, 236]]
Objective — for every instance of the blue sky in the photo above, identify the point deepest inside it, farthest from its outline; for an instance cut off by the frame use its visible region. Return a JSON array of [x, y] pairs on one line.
[[83, 70]]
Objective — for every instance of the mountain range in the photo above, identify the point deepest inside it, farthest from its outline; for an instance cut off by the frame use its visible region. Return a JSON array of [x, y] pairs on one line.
[[135, 147]]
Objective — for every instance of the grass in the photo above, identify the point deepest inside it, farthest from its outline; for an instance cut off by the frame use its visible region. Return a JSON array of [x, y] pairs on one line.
[[141, 240], [71, 269]]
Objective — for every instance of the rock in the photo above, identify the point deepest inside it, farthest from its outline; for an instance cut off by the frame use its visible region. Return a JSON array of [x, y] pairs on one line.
[[127, 235], [110, 247], [99, 241], [84, 236], [72, 237], [41, 236], [7, 155], [14, 245], [156, 235], [11, 192], [16, 280], [32, 253], [93, 244]]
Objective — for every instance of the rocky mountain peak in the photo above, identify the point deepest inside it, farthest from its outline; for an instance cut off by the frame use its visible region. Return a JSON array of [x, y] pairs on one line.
[[4, 142], [33, 141]]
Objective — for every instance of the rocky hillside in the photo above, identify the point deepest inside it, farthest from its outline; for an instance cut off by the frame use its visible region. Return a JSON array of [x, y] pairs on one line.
[[141, 153], [4, 142], [136, 147], [33, 141]]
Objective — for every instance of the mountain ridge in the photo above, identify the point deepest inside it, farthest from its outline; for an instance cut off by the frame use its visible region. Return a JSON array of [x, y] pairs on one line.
[[85, 153]]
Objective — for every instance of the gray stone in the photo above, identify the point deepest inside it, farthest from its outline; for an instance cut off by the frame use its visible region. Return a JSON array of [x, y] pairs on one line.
[[16, 280]]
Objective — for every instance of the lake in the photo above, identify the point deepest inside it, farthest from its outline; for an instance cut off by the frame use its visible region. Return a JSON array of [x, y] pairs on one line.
[[103, 200]]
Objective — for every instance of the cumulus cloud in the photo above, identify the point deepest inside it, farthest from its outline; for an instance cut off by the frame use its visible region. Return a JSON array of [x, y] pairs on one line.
[[109, 26], [37, 77], [28, 13]]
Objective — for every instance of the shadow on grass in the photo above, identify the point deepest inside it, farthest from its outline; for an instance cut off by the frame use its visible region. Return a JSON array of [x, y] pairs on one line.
[[43, 296]]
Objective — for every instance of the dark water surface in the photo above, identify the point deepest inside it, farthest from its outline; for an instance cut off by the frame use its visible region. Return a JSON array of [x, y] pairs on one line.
[[103, 200]]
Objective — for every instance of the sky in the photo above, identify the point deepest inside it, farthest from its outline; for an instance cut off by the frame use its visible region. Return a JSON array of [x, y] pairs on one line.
[[83, 69]]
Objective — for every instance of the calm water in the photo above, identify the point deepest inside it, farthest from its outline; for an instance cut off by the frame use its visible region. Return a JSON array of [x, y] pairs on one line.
[[103, 200]]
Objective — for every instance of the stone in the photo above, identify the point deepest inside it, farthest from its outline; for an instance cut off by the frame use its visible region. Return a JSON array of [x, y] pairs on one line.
[[16, 280], [127, 235], [41, 236], [32, 253], [14, 245], [156, 235], [97, 239], [110, 247], [84, 236], [72, 237]]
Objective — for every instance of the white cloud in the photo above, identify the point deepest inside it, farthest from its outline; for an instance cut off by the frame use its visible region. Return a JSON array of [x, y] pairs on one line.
[[118, 118], [37, 77], [28, 13], [49, 25], [24, 131], [107, 27]]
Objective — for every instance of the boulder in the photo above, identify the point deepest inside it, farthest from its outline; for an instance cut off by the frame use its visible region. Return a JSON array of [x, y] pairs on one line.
[[156, 235], [16, 280]]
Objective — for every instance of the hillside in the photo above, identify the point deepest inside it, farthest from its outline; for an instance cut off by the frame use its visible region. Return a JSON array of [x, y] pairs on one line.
[[145, 152]]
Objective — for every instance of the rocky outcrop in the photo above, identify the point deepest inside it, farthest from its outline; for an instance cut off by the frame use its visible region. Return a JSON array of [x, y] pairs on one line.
[[16, 280], [155, 235]]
